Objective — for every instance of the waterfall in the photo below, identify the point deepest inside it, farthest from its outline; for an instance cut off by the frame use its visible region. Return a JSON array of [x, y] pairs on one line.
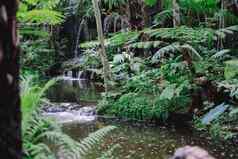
[[80, 74]]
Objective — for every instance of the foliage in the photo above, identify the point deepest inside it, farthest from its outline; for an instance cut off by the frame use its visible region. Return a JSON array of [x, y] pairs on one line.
[[109, 154], [31, 95], [151, 95], [156, 68], [182, 34], [214, 113], [114, 3], [42, 13], [125, 64], [150, 2], [230, 69], [40, 133], [32, 51], [207, 9], [116, 40], [37, 19], [173, 48]]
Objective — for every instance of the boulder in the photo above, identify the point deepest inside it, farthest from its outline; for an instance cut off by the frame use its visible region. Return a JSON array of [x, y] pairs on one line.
[[189, 152]]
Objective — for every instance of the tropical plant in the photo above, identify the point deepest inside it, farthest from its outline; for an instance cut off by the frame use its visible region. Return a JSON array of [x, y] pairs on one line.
[[31, 96], [41, 133], [114, 3], [42, 13]]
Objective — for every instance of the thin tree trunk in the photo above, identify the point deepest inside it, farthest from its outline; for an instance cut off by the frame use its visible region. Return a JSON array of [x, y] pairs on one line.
[[176, 13], [10, 114], [80, 28], [102, 51], [146, 17], [220, 44]]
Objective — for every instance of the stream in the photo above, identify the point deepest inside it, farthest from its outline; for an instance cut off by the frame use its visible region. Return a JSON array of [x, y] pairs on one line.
[[136, 140]]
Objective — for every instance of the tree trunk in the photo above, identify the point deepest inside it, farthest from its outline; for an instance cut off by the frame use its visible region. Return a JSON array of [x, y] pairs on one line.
[[10, 114], [102, 51], [145, 15], [220, 42], [176, 13]]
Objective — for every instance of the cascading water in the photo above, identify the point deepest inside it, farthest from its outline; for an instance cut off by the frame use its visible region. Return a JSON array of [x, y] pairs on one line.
[[76, 73], [73, 100]]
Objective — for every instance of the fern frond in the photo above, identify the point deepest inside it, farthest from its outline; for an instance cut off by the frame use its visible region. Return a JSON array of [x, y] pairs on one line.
[[222, 33], [114, 3], [41, 16], [173, 48], [162, 16], [119, 58], [109, 153], [167, 49], [192, 51], [31, 96], [220, 54], [146, 44], [93, 139]]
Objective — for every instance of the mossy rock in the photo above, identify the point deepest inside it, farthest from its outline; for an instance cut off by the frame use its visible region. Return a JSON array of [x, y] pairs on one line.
[[231, 69]]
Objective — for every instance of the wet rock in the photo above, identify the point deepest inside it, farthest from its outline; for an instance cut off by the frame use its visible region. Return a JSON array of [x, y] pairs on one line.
[[70, 117], [189, 152], [60, 107], [73, 114], [87, 111]]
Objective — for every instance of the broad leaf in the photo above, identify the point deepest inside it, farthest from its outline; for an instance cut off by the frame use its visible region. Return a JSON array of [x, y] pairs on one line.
[[214, 113], [168, 92]]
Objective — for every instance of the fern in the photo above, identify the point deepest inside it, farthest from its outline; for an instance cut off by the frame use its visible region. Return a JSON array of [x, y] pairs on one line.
[[117, 40], [114, 3], [222, 33], [87, 144], [38, 130], [146, 45], [31, 96], [150, 2], [173, 48], [119, 58], [109, 154], [167, 49], [192, 51], [220, 54], [39, 12], [41, 130], [161, 17], [181, 34]]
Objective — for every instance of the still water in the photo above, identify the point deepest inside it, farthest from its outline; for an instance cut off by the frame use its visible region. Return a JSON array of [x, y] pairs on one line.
[[140, 141], [71, 90]]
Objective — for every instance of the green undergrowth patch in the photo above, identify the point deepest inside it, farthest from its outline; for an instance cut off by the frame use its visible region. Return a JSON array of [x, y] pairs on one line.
[[153, 94]]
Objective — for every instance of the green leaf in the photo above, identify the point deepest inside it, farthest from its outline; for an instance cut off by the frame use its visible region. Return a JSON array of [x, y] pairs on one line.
[[214, 113], [231, 69], [150, 2], [168, 92]]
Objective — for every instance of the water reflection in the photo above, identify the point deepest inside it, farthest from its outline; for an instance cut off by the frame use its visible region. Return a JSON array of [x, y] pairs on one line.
[[75, 91], [150, 142]]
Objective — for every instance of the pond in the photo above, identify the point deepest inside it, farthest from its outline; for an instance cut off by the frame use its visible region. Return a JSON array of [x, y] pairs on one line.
[[70, 90], [136, 140], [140, 141]]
